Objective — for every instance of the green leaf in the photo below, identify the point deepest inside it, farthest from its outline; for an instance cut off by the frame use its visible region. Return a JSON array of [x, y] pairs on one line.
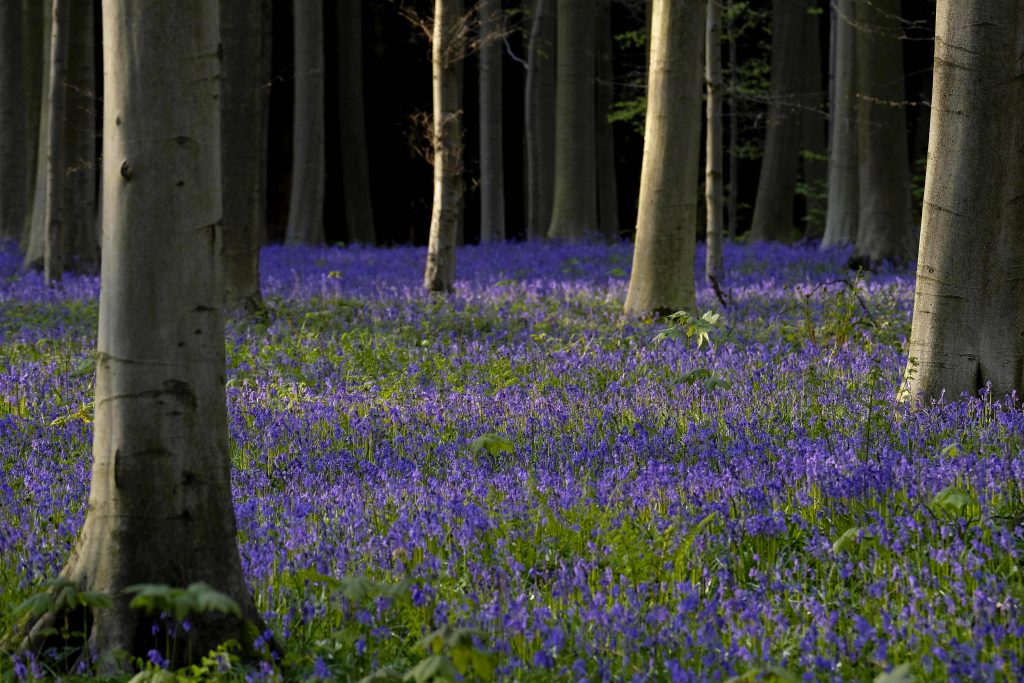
[[950, 450], [691, 536], [484, 664], [35, 606], [494, 444], [954, 501], [850, 540], [388, 674], [154, 676], [433, 668], [358, 588], [771, 673], [208, 599], [898, 674]]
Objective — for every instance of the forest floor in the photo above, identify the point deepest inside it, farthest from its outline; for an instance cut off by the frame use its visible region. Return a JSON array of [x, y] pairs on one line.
[[517, 483]]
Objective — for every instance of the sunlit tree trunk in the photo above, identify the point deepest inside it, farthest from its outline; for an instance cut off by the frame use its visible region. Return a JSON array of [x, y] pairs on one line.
[[540, 119], [13, 167], [53, 237], [714, 267], [662, 280], [355, 165], [306, 205], [968, 327], [843, 200], [607, 185], [492, 158]]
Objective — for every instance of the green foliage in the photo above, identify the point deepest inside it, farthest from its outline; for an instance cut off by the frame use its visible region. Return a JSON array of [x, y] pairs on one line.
[[180, 603], [685, 325]]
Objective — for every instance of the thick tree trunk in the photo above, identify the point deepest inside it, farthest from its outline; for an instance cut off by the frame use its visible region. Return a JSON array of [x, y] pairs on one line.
[[355, 165], [53, 242], [714, 265], [540, 120], [885, 226], [13, 169], [79, 212], [843, 182], [447, 53], [773, 208], [607, 186], [662, 280], [34, 240], [160, 506], [968, 327], [574, 212], [36, 38], [492, 158], [242, 103], [814, 131], [734, 124], [306, 205]]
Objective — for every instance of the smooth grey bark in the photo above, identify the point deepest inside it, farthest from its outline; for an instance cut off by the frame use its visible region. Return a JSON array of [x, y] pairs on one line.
[[968, 325], [540, 120], [714, 270], [492, 158], [13, 167], [355, 165], [732, 198], [446, 54], [34, 239], [885, 225], [814, 131], [662, 279], [160, 507], [604, 96], [574, 209], [773, 208], [306, 204], [36, 38], [843, 195], [242, 147], [53, 237]]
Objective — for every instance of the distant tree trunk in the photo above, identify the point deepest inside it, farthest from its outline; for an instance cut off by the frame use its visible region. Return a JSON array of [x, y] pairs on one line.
[[662, 280], [266, 64], [79, 201], [968, 327], [773, 209], [492, 158], [714, 265], [574, 212], [734, 123], [885, 227], [540, 120], [843, 195], [53, 242], [814, 132], [306, 205], [36, 38], [607, 187], [242, 103], [34, 240], [355, 165], [13, 169], [447, 52]]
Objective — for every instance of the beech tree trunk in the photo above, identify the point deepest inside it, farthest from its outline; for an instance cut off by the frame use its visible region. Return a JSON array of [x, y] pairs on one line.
[[34, 240], [814, 132], [607, 186], [79, 214], [540, 120], [492, 158], [447, 52], [885, 225], [13, 168], [843, 182], [662, 280], [773, 208], [355, 165], [968, 328], [242, 148], [734, 122], [306, 205], [160, 506], [36, 38], [53, 242], [714, 265], [574, 212]]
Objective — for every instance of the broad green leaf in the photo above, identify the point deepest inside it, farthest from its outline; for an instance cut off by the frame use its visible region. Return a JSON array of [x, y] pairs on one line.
[[154, 676], [388, 674], [954, 501], [850, 540], [494, 444], [898, 674], [207, 599], [433, 668], [35, 606], [484, 664]]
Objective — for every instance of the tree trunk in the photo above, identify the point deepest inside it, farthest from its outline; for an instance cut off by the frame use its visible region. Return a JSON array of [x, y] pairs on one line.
[[447, 52], [843, 182], [574, 212], [773, 209], [79, 212], [734, 124], [160, 506], [814, 133], [53, 242], [607, 187], [492, 159], [355, 165], [968, 327], [662, 280], [540, 120], [36, 38], [885, 227], [242, 103], [34, 240], [13, 170], [714, 265], [306, 205]]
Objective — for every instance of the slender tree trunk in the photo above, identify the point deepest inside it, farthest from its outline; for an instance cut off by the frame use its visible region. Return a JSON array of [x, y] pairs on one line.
[[492, 158], [266, 68], [13, 171], [968, 327], [773, 209], [574, 212], [242, 103], [447, 52], [34, 240], [53, 242], [734, 124], [607, 186], [540, 120], [160, 506], [306, 206], [843, 182], [885, 227], [714, 265], [662, 280], [814, 143], [79, 212], [36, 57], [355, 165]]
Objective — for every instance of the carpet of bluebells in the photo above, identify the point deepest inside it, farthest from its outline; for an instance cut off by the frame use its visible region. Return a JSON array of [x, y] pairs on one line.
[[553, 492]]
